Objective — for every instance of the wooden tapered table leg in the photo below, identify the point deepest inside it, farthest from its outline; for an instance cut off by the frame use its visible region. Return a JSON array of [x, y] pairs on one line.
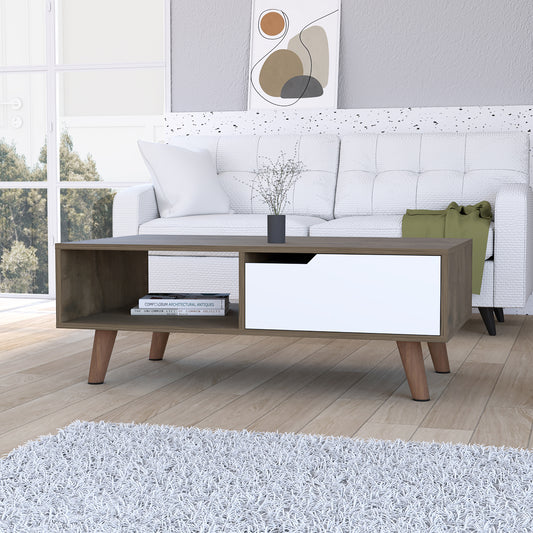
[[102, 348], [439, 356], [159, 343], [413, 364]]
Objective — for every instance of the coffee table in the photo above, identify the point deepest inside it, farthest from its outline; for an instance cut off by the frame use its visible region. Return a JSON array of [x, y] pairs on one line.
[[406, 290]]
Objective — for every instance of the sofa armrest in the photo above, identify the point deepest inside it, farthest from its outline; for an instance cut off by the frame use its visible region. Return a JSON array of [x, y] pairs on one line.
[[513, 245], [132, 207]]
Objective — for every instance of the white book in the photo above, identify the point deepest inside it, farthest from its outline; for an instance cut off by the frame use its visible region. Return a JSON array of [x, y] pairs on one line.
[[169, 311], [185, 300]]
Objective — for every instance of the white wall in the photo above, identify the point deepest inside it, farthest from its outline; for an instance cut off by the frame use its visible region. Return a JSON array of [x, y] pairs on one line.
[[393, 53]]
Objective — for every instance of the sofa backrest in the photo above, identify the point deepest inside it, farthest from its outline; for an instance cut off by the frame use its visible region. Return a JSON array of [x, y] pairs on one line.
[[237, 157], [389, 173]]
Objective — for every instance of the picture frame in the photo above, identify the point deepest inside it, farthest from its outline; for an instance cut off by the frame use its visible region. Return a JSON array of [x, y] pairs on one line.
[[294, 54]]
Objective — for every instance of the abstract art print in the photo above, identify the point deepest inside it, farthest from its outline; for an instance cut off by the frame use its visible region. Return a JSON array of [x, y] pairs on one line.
[[294, 54]]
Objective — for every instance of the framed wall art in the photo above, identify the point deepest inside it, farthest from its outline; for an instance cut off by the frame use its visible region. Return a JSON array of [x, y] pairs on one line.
[[294, 54]]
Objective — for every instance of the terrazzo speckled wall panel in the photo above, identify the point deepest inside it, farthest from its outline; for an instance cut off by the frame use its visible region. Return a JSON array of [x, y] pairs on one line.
[[345, 121], [393, 54]]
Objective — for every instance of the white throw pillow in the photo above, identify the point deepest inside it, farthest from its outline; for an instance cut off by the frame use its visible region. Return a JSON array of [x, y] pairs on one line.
[[185, 181]]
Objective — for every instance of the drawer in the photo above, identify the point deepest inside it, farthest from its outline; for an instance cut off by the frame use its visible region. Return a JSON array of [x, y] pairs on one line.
[[382, 294]]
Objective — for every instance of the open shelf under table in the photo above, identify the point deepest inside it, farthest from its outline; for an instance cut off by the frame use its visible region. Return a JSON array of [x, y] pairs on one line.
[[121, 319]]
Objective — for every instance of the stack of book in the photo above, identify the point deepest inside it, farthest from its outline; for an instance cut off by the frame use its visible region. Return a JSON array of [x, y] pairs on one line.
[[182, 304]]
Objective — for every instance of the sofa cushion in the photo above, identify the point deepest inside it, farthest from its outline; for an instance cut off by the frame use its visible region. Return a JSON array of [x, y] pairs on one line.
[[374, 226], [185, 181], [237, 158], [297, 226], [389, 173]]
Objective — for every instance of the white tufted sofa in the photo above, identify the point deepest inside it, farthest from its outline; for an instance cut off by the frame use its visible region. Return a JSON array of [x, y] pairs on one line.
[[354, 185]]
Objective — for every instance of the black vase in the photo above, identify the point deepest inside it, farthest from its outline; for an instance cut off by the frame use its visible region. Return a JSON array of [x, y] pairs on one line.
[[276, 228]]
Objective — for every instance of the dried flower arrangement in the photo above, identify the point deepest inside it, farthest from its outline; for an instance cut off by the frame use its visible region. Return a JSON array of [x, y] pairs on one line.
[[274, 180]]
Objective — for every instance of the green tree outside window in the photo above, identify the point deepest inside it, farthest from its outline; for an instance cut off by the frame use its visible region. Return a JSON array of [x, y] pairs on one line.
[[85, 214]]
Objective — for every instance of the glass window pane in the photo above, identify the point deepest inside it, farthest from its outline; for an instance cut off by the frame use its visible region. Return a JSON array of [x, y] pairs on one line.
[[22, 32], [86, 214], [104, 113], [23, 241], [120, 31], [111, 92], [23, 127]]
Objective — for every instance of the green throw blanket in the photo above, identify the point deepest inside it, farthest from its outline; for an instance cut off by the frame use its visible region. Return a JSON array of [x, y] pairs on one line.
[[454, 222]]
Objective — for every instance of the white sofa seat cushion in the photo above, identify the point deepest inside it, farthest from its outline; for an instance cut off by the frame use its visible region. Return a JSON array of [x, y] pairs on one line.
[[296, 226], [237, 157], [374, 226]]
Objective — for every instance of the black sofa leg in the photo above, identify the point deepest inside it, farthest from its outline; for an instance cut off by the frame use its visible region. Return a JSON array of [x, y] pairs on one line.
[[498, 311], [487, 314]]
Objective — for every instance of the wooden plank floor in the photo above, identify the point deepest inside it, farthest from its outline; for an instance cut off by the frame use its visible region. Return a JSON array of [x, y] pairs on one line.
[[335, 387]]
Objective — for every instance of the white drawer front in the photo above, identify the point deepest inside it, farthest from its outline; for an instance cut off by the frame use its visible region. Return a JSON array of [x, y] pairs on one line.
[[397, 294]]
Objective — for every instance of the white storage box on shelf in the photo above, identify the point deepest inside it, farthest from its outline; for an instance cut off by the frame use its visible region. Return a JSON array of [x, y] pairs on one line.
[[355, 185]]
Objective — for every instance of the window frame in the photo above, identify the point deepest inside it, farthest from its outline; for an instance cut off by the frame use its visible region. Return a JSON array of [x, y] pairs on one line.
[[53, 185]]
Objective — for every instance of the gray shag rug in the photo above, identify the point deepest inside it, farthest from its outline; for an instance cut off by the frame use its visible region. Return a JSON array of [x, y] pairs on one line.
[[125, 477]]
